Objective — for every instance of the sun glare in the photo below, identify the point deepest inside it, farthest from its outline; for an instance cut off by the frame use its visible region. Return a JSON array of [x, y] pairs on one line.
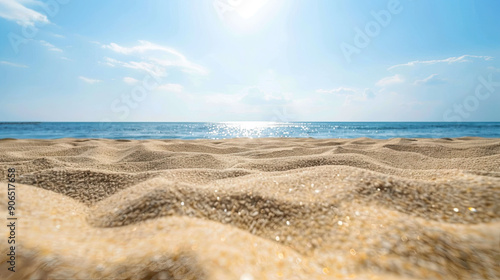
[[247, 9]]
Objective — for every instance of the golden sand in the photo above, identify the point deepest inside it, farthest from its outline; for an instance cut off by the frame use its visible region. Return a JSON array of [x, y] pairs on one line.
[[254, 209]]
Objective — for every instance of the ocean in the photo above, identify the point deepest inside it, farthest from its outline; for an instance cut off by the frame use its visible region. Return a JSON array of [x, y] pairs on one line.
[[221, 130]]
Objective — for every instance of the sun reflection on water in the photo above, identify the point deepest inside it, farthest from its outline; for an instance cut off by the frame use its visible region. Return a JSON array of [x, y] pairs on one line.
[[252, 129]]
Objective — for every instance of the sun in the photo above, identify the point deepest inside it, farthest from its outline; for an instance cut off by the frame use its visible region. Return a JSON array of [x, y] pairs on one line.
[[248, 8]]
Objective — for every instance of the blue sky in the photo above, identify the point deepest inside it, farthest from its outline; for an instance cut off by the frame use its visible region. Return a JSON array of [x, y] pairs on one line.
[[254, 60]]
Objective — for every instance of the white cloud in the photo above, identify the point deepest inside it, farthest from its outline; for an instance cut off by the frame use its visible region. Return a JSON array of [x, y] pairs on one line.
[[151, 68], [223, 99], [130, 80], [450, 60], [49, 46], [249, 98], [339, 91], [259, 96], [13, 64], [15, 10], [111, 62], [431, 80], [89, 80], [185, 65], [387, 81], [349, 94], [143, 47], [156, 56], [171, 87]]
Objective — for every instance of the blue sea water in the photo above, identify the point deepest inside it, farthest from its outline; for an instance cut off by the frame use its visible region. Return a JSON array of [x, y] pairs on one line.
[[211, 130]]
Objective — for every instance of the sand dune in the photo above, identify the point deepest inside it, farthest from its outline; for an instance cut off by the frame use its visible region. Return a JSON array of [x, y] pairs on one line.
[[255, 208]]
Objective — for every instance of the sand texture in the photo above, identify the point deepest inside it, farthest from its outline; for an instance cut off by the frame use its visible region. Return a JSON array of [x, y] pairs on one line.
[[254, 209]]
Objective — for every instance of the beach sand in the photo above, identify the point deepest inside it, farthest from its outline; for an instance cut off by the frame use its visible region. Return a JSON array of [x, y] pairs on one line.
[[253, 208]]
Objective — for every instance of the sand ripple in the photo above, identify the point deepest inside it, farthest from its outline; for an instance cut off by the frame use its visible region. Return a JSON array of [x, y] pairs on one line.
[[256, 208]]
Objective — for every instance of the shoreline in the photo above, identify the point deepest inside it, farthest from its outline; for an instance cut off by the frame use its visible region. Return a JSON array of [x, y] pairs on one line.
[[258, 138]]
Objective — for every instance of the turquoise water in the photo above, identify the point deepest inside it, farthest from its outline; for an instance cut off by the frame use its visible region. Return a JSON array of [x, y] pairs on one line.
[[209, 130]]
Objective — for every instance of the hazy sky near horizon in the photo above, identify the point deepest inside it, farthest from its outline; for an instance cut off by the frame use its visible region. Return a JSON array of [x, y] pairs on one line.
[[253, 60]]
